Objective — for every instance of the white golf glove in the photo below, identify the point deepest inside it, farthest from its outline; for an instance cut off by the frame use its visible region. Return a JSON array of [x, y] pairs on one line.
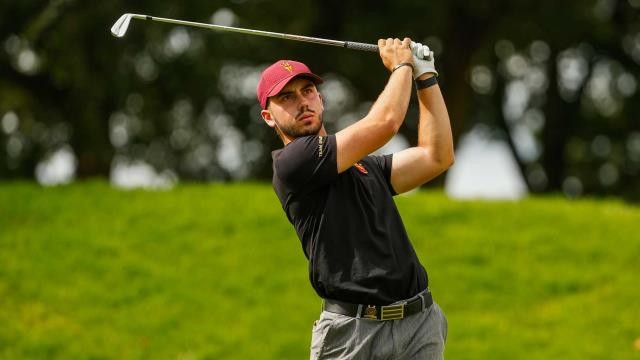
[[423, 60]]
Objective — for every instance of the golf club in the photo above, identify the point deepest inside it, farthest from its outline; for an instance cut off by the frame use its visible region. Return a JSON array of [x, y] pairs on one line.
[[120, 27]]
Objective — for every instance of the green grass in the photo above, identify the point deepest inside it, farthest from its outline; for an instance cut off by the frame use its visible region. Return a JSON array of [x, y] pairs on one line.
[[216, 272]]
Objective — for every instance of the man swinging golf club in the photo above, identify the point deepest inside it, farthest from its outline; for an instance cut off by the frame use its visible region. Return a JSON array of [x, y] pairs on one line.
[[376, 300]]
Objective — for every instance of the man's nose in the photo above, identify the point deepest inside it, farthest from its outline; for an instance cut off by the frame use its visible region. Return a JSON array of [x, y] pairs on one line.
[[302, 101]]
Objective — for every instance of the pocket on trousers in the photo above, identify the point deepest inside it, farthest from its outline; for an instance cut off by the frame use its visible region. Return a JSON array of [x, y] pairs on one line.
[[441, 321], [329, 335], [319, 334], [445, 325]]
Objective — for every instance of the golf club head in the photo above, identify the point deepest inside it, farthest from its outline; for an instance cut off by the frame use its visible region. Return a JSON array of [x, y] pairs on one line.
[[120, 27]]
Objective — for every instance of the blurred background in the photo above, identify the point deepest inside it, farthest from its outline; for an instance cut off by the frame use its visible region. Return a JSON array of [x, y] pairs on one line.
[[543, 96]]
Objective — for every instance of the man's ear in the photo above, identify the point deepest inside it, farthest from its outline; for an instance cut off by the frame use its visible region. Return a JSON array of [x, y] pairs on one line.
[[321, 100], [266, 116]]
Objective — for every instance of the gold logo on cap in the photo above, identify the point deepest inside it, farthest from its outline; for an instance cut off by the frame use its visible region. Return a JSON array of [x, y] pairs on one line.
[[287, 66]]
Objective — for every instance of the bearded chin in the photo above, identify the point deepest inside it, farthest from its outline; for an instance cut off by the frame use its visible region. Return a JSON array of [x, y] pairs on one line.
[[293, 131]]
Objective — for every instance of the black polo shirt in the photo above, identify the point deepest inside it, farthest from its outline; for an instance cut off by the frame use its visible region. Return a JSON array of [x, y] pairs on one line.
[[348, 223]]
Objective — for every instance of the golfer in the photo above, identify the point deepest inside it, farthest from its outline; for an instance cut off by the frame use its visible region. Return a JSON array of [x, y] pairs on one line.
[[376, 300]]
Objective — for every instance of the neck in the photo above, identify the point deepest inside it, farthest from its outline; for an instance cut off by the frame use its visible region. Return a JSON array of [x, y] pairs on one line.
[[286, 139]]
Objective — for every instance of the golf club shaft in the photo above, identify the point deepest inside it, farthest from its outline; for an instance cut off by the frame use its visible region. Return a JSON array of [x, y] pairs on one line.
[[315, 40]]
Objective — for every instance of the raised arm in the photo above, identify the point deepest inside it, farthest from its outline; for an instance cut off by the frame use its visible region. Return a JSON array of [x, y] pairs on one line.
[[434, 152], [387, 113]]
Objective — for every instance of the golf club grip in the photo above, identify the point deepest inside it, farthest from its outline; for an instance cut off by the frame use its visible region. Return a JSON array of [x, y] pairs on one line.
[[360, 46]]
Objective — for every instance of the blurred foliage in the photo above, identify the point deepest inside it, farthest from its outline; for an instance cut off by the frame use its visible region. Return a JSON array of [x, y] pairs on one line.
[[556, 80]]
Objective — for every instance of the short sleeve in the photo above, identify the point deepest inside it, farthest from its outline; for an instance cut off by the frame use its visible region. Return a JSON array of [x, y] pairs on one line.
[[307, 162], [384, 162]]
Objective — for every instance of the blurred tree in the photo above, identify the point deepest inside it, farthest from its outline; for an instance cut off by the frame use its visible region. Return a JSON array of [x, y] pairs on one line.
[[556, 80]]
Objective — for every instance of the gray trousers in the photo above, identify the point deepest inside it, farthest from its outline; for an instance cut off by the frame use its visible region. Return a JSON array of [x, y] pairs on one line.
[[419, 336]]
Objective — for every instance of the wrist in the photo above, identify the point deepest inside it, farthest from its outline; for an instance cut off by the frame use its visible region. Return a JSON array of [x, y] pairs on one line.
[[426, 82], [402, 65], [425, 76]]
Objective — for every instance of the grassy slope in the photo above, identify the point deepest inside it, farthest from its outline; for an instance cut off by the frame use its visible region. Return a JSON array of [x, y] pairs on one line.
[[215, 271]]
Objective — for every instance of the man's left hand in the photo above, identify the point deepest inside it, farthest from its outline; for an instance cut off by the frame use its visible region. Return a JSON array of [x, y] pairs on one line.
[[423, 60]]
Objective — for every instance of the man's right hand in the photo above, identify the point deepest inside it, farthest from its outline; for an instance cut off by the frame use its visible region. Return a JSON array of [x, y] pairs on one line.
[[394, 52]]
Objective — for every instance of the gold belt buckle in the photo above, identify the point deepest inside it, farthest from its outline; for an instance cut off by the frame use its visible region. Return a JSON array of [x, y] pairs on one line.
[[392, 312]]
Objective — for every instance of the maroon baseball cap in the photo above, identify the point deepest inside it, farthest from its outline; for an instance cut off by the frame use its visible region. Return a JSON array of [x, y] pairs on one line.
[[278, 75]]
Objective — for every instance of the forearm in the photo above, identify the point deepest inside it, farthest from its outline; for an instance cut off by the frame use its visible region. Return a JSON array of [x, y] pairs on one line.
[[391, 106], [434, 128], [387, 113], [433, 155]]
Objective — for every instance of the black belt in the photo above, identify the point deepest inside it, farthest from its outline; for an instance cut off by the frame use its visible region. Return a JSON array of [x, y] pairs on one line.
[[381, 312]]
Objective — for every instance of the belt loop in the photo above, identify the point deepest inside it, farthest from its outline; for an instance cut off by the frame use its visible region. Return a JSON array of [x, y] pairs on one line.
[[359, 314], [423, 302]]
